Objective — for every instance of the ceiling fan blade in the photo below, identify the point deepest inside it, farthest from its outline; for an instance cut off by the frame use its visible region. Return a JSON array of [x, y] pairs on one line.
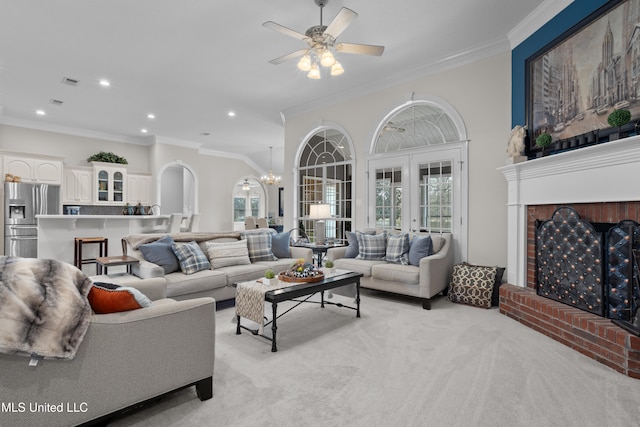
[[289, 56], [284, 30], [360, 49], [340, 22]]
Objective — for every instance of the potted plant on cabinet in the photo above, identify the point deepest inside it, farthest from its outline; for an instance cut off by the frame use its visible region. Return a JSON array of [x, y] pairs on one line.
[[543, 141], [109, 157], [617, 119]]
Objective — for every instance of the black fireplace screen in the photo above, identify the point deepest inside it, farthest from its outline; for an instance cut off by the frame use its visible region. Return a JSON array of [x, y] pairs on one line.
[[591, 266], [569, 261], [623, 246]]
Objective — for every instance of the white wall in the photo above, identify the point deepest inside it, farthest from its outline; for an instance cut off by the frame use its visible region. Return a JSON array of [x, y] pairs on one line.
[[215, 175], [172, 190], [481, 93]]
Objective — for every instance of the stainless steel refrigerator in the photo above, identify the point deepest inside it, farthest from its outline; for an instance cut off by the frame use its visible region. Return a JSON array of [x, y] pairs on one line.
[[22, 202]]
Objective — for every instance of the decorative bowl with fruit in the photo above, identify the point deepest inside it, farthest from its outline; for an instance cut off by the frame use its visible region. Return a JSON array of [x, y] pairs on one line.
[[301, 271]]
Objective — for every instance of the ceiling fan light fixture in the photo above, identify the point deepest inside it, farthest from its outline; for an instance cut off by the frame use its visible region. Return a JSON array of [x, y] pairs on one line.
[[246, 186], [314, 72], [305, 63], [327, 59], [336, 69]]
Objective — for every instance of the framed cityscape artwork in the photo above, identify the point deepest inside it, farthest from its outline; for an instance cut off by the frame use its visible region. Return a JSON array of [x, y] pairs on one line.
[[577, 80]]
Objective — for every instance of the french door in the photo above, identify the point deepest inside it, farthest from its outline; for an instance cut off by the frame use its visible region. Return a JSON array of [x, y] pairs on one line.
[[424, 191]]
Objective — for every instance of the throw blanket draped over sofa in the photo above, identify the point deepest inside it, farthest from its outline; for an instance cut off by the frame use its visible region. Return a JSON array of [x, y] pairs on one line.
[[44, 309]]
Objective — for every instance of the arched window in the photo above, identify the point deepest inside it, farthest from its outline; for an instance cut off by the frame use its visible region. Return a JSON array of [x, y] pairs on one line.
[[248, 200], [325, 170], [417, 171]]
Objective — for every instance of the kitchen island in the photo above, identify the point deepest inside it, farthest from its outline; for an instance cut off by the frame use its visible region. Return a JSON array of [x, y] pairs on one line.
[[56, 233]]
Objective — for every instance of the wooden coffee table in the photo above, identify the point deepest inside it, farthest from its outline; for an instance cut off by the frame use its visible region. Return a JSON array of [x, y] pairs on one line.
[[290, 291]]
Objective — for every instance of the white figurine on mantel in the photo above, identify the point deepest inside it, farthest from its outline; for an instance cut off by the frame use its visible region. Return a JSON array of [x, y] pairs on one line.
[[515, 147]]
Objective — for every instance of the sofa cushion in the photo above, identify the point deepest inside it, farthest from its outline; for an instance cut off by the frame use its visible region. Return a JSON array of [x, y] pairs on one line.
[[161, 253], [179, 284], [471, 284], [371, 247], [191, 257], [398, 249], [357, 265], [242, 273], [437, 243], [280, 245], [419, 248], [225, 254], [111, 298], [406, 274], [259, 245]]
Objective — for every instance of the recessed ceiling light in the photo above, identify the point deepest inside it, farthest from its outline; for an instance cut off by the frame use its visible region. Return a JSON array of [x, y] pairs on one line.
[[144, 130], [104, 83], [41, 112], [231, 113], [151, 116]]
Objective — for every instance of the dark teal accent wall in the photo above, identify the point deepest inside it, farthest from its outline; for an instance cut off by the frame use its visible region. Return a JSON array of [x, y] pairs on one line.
[[570, 16]]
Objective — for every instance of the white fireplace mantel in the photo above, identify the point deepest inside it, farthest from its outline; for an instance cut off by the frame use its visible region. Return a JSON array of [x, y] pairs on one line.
[[608, 172]]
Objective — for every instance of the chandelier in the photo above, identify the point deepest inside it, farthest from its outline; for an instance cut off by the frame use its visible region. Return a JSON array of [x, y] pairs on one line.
[[270, 179]]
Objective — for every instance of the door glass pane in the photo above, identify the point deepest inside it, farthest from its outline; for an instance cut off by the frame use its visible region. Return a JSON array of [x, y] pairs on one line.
[[436, 203], [388, 198], [255, 206]]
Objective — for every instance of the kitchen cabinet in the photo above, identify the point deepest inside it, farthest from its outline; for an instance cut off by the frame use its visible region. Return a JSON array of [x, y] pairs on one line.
[[109, 183], [77, 185], [139, 189], [41, 170]]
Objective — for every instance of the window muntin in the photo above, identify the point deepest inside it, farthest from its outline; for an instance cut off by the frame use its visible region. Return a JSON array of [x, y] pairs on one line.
[[325, 176], [435, 195]]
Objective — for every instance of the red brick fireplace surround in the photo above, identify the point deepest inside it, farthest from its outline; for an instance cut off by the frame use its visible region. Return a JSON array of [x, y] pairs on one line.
[[602, 184]]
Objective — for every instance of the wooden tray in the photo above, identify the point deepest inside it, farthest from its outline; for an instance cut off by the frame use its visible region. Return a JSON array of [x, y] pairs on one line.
[[284, 278]]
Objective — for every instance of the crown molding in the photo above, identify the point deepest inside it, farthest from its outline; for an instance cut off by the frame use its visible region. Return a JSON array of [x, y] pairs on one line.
[[67, 130], [536, 19]]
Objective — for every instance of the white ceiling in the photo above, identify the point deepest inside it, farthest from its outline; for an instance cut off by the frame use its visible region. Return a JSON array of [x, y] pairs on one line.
[[190, 62]]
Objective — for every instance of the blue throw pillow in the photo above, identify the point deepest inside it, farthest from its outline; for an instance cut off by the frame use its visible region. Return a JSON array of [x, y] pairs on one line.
[[420, 247], [352, 249], [160, 253], [280, 245]]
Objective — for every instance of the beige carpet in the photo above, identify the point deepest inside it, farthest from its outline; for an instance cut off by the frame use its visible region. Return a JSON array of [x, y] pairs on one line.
[[399, 365]]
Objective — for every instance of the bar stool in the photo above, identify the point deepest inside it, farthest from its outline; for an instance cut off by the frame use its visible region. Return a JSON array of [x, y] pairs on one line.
[[103, 250]]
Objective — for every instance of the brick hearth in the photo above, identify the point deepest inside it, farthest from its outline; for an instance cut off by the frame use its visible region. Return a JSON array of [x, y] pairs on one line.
[[591, 335]]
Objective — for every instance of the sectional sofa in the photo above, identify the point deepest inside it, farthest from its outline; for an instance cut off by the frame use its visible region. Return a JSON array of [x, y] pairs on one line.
[[216, 281], [428, 276]]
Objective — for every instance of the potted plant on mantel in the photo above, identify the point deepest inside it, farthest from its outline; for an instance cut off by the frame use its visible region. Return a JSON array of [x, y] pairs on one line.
[[109, 157], [543, 141], [617, 119]]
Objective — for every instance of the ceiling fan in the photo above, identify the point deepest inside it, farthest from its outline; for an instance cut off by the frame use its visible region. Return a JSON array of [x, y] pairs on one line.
[[246, 185], [322, 43]]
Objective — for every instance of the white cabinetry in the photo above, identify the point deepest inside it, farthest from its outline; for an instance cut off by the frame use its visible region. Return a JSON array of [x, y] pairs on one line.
[[34, 169], [109, 183], [77, 185], [139, 189]]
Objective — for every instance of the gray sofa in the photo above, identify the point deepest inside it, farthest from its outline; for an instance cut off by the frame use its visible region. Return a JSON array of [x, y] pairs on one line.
[[216, 283], [424, 281], [125, 358]]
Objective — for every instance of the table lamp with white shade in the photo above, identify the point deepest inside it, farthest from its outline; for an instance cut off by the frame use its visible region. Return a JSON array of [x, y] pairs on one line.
[[319, 212]]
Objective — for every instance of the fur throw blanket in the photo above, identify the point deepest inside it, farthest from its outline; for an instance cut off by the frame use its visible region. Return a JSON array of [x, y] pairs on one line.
[[44, 308]]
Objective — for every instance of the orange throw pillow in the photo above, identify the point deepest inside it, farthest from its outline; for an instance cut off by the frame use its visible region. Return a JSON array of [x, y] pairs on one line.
[[109, 298]]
